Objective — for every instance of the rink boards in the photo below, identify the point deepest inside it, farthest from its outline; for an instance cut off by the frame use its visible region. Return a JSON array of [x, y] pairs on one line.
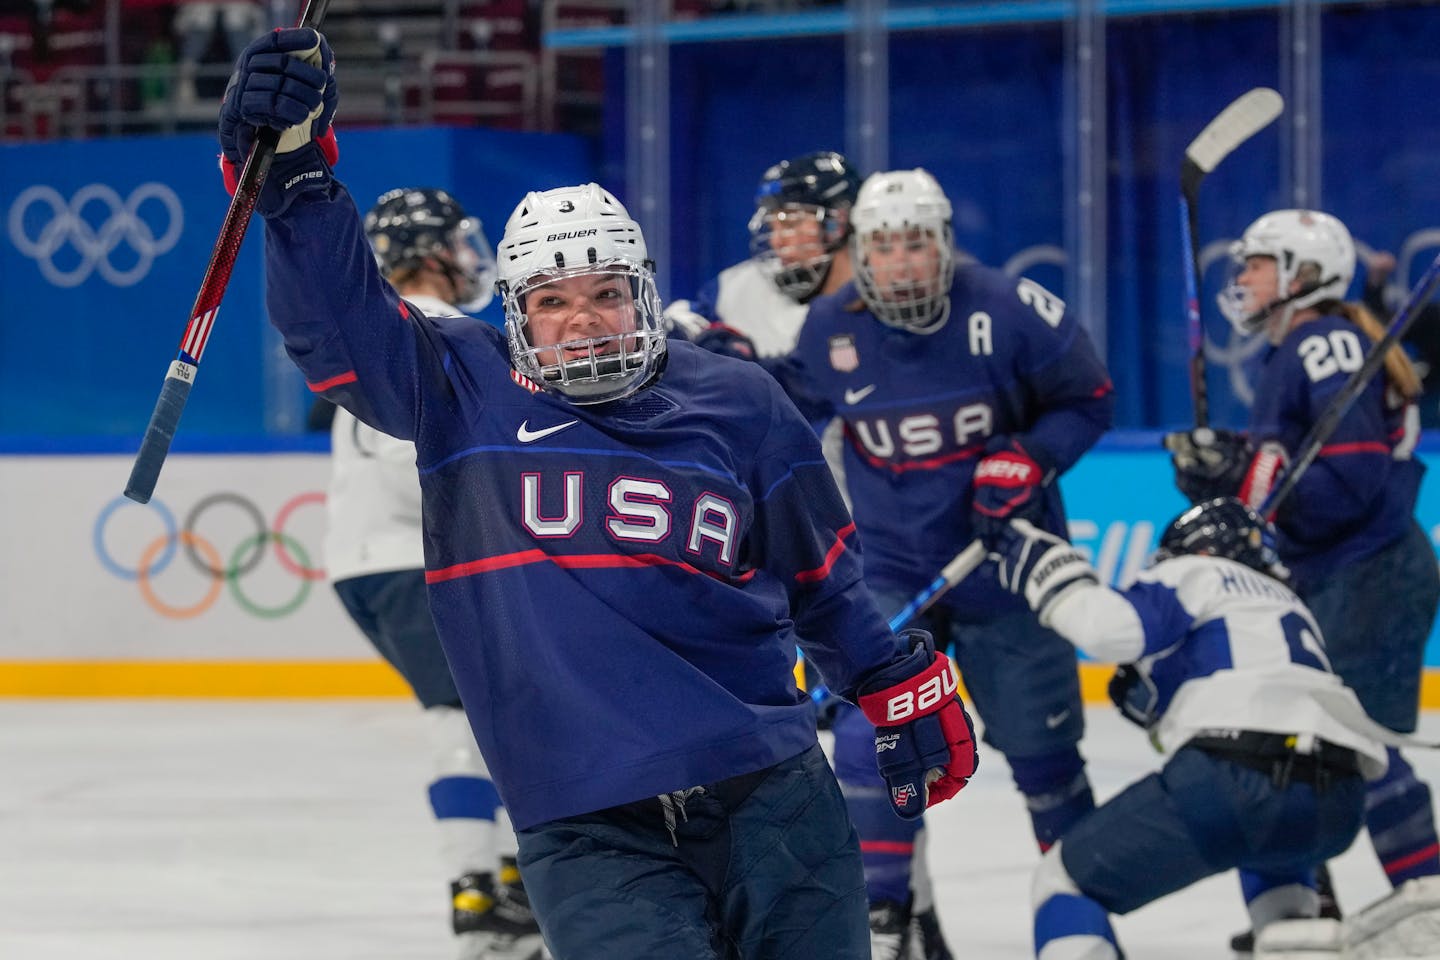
[[216, 588]]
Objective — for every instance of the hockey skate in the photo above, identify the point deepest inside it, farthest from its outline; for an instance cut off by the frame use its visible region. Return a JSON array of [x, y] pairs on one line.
[[494, 922], [926, 940], [890, 930], [1243, 944]]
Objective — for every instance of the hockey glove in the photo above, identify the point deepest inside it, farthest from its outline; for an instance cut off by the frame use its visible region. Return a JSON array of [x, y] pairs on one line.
[[1008, 483], [285, 80], [1039, 566], [726, 341], [1208, 463], [1270, 463], [924, 740], [1135, 695]]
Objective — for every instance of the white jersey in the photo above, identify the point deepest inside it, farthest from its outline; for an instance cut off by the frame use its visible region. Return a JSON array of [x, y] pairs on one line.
[[1221, 647], [743, 298], [373, 505]]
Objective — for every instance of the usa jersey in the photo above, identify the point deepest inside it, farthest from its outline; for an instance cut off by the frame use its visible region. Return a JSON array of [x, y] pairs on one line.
[[619, 588], [921, 410], [743, 298], [1221, 647], [1359, 495]]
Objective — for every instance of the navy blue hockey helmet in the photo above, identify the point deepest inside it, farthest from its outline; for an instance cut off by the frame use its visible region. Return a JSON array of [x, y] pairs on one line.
[[1224, 527], [413, 225], [802, 219]]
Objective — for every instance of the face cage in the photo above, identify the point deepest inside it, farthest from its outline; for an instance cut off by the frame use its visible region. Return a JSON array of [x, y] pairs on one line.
[[597, 376], [798, 279], [1236, 302], [927, 306]]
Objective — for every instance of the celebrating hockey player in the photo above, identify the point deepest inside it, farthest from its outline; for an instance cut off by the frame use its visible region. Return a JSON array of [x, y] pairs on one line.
[[625, 539], [437, 258], [1228, 671], [964, 394], [1359, 560]]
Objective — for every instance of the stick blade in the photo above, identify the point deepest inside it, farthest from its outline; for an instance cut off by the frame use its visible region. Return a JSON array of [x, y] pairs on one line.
[[1246, 116]]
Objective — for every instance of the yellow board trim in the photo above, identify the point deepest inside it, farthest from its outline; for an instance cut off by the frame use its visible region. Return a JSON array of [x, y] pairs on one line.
[[320, 679]]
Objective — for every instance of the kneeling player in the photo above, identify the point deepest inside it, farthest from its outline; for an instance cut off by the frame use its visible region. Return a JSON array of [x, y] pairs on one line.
[[1226, 669]]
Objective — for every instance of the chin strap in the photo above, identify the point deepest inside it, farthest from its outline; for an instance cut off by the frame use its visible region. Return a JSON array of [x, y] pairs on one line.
[[1258, 318]]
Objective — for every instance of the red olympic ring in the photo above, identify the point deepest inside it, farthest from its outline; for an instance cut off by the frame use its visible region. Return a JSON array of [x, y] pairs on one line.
[[282, 553]]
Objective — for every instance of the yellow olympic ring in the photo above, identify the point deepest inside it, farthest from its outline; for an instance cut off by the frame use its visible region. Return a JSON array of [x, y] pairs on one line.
[[189, 539]]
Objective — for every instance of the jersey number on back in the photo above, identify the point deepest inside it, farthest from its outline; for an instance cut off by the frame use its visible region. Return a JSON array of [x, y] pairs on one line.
[[1304, 646], [1050, 307], [1339, 350]]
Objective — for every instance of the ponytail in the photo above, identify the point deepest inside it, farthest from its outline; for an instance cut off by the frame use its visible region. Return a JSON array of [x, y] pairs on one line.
[[1398, 369]]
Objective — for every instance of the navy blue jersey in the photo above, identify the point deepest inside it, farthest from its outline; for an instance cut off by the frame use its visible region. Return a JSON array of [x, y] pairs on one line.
[[921, 410], [1359, 494], [619, 588]]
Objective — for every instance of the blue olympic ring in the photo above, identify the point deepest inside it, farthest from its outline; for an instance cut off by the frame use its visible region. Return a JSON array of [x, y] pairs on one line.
[[172, 540]]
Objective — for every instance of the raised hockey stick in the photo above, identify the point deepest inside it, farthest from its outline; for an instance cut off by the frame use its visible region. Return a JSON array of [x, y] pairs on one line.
[[952, 573], [1331, 416], [1246, 116], [175, 391]]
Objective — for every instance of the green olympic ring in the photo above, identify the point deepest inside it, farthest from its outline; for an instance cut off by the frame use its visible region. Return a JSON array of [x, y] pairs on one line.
[[257, 541]]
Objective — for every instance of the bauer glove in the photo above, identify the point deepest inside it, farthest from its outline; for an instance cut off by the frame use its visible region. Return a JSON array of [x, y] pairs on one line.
[[1009, 483], [284, 80], [924, 740]]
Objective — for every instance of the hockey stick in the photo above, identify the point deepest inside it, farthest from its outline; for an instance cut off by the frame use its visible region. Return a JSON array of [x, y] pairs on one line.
[[1331, 416], [1246, 116], [952, 573], [175, 391]]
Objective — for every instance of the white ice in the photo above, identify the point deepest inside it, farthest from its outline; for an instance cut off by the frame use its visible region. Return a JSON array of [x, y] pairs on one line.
[[157, 830]]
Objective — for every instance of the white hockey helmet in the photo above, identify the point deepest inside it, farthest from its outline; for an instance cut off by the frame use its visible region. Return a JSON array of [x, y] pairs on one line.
[[1307, 245], [902, 206], [573, 232]]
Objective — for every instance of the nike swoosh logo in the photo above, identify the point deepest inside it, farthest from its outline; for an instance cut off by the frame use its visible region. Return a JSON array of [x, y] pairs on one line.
[[855, 396], [526, 435], [1055, 719]]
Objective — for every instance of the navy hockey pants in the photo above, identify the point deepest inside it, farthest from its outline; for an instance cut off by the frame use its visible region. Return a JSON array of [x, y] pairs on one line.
[[763, 867], [1202, 815], [394, 612]]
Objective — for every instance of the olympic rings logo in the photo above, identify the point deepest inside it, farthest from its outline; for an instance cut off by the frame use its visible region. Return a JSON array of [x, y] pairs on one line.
[[67, 225], [200, 553]]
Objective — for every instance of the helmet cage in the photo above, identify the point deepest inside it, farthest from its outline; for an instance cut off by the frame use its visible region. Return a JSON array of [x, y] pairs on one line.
[[913, 303], [589, 369], [800, 261]]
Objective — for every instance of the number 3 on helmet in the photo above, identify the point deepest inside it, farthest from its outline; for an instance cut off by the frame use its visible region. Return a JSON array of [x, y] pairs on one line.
[[580, 232]]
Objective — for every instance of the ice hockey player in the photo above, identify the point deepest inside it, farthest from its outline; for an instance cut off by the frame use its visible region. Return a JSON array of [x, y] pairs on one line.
[[964, 394], [799, 250], [1227, 669], [625, 539]]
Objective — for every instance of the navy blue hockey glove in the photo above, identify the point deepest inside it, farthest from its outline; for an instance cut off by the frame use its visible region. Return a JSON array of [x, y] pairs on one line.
[[1039, 566], [726, 341], [924, 740], [1135, 695], [285, 80], [1009, 483], [1208, 463]]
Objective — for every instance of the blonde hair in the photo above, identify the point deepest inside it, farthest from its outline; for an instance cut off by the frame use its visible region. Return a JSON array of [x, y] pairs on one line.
[[1399, 371]]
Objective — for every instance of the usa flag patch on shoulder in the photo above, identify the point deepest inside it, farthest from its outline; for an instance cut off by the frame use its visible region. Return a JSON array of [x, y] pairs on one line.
[[843, 356], [523, 381]]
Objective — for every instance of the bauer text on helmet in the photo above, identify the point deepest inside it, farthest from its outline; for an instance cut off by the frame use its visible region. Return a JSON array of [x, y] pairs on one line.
[[904, 250], [1286, 261], [581, 310]]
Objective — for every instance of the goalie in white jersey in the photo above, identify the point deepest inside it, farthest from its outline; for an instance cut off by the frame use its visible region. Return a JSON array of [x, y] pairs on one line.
[[1226, 668]]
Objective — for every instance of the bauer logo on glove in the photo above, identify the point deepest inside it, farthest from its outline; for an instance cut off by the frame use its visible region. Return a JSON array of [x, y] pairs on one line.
[[924, 740]]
